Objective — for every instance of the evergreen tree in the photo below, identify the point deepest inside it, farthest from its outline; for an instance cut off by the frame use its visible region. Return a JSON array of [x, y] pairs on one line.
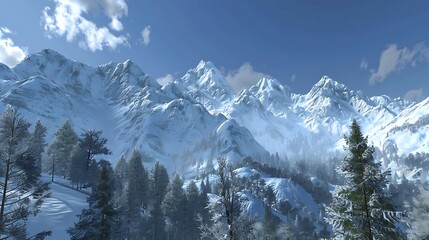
[[37, 146], [361, 208], [78, 167], [136, 195], [93, 144], [120, 198], [99, 220], [203, 202], [159, 182], [174, 206], [121, 177], [270, 196], [158, 186], [18, 201], [270, 223], [193, 198], [59, 152], [419, 217]]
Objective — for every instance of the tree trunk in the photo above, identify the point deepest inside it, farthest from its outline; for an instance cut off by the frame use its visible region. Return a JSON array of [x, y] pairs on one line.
[[368, 217], [53, 169], [3, 200]]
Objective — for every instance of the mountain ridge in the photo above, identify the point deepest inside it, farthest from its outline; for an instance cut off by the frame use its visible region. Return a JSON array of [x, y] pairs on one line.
[[164, 121]]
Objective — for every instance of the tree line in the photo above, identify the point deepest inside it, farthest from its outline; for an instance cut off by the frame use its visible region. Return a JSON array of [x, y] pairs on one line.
[[129, 201]]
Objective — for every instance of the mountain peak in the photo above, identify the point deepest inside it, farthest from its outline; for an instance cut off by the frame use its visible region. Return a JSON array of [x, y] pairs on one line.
[[205, 65], [48, 54], [270, 84], [328, 87], [52, 52], [7, 73], [207, 78], [132, 67], [327, 82]]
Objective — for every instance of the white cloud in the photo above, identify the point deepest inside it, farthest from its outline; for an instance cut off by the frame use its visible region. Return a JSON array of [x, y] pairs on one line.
[[364, 64], [116, 25], [5, 30], [393, 59], [67, 20], [165, 80], [414, 95], [244, 77], [9, 53], [146, 35], [293, 78]]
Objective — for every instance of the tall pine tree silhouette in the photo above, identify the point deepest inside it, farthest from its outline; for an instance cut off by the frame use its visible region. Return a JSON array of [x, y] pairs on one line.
[[362, 208]]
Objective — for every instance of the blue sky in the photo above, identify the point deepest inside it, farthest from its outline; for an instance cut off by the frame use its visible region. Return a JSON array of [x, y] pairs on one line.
[[380, 47]]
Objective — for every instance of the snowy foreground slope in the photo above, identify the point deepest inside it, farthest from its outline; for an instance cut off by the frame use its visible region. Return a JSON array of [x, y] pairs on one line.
[[58, 213], [199, 117]]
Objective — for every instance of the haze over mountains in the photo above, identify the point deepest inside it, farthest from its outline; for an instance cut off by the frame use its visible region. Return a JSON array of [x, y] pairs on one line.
[[199, 117]]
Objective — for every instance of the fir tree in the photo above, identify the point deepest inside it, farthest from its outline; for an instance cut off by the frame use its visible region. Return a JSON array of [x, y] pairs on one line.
[[158, 185], [18, 200], [93, 144], [121, 176], [270, 223], [419, 217], [37, 146], [59, 152], [174, 206], [270, 196], [99, 220], [361, 208], [120, 198], [203, 202], [159, 182], [78, 167], [193, 198], [136, 195]]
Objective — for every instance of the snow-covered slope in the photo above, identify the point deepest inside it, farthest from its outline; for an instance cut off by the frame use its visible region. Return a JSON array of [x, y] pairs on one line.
[[290, 123], [58, 212], [409, 130]]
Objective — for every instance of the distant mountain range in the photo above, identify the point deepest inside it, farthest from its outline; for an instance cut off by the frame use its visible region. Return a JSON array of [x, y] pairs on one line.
[[199, 117]]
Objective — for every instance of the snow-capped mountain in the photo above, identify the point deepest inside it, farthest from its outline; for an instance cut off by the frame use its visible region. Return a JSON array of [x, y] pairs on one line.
[[206, 84], [129, 106], [198, 117]]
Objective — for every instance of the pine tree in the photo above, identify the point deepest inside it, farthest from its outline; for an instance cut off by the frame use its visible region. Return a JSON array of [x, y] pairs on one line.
[[59, 152], [159, 182], [136, 195], [192, 210], [270, 196], [99, 220], [92, 144], [174, 206], [361, 208], [270, 224], [203, 202], [18, 200], [37, 146], [158, 185], [419, 217], [120, 174], [121, 177], [77, 172]]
